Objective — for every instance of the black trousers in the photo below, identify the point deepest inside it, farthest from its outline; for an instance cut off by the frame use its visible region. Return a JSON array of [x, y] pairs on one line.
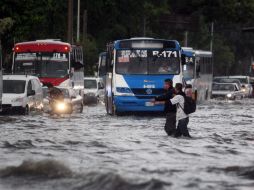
[[170, 125], [182, 128]]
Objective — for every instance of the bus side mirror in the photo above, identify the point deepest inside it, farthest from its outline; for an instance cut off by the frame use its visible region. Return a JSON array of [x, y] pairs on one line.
[[70, 73], [77, 65], [197, 70], [109, 61], [183, 58]]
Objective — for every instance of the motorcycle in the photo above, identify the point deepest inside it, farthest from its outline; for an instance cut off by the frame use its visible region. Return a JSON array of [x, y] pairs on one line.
[[59, 106]]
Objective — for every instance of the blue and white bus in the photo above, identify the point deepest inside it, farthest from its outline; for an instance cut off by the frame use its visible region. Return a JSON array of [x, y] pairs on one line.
[[136, 70], [198, 71]]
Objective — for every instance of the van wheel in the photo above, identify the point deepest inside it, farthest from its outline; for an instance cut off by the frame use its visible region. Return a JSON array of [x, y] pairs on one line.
[[26, 110], [81, 108]]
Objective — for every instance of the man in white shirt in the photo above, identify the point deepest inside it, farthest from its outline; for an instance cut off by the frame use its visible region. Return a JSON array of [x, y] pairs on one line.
[[181, 117]]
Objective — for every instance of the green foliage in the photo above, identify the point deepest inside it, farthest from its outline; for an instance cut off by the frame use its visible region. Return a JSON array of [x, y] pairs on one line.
[[224, 58], [5, 24], [110, 20], [90, 55]]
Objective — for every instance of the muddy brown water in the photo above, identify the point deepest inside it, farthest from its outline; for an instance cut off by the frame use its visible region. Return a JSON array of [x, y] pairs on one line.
[[94, 151]]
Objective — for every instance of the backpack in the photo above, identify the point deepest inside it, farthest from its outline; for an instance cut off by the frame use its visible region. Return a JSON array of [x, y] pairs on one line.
[[189, 105]]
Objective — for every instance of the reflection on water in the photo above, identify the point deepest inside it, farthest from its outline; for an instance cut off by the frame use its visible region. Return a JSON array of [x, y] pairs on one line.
[[95, 151]]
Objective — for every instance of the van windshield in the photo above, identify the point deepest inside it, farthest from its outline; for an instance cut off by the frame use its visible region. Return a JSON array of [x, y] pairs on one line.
[[90, 84], [223, 87], [14, 86]]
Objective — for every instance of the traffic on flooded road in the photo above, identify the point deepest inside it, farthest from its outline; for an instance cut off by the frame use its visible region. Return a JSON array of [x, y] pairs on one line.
[[89, 150], [135, 95]]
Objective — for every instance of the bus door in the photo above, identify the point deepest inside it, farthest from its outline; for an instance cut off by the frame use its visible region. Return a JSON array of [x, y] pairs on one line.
[[109, 95], [109, 80]]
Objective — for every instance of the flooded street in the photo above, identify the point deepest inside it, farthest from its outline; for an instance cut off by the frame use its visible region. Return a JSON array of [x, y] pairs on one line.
[[95, 151]]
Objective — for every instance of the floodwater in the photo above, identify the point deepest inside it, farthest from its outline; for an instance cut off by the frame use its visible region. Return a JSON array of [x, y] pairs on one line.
[[93, 151]]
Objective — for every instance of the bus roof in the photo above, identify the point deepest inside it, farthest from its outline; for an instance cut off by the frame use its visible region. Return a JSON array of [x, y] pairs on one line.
[[203, 53], [144, 43], [42, 46], [189, 51]]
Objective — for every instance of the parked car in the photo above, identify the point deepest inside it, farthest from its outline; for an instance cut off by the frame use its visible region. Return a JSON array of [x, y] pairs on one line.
[[93, 90], [226, 79], [246, 84], [72, 102], [229, 91], [21, 94]]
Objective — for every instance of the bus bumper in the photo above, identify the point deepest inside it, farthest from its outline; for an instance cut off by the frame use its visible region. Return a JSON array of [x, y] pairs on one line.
[[134, 104]]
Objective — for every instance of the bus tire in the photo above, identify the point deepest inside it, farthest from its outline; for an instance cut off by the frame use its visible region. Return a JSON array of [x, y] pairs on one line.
[[206, 94], [196, 95]]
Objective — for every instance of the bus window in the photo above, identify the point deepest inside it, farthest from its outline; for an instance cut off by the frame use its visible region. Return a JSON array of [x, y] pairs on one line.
[[188, 70]]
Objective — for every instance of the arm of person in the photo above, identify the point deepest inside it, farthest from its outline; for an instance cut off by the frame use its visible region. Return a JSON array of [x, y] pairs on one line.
[[164, 97], [175, 100]]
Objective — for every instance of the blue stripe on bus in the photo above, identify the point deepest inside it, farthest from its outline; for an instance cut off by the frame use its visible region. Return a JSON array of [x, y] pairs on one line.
[[143, 81]]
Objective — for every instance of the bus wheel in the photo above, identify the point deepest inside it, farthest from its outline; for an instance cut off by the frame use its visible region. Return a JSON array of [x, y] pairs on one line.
[[206, 94], [196, 95]]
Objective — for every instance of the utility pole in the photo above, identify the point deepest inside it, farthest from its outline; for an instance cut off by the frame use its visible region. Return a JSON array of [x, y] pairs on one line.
[[144, 26], [70, 21], [78, 21], [211, 42], [186, 38], [211, 46]]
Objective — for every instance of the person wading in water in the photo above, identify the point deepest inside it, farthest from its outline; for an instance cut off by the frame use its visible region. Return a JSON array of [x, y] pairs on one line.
[[181, 117], [169, 109]]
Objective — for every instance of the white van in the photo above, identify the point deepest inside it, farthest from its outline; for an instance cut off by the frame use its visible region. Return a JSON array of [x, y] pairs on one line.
[[21, 94], [93, 89]]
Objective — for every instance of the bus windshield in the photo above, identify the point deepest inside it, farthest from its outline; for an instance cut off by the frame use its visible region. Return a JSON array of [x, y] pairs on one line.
[[51, 65], [147, 62], [90, 84]]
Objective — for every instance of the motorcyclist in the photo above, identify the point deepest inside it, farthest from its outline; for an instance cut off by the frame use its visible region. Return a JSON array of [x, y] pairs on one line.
[[54, 92]]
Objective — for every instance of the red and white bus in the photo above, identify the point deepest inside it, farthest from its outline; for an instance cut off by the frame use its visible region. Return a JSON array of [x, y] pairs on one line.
[[53, 61]]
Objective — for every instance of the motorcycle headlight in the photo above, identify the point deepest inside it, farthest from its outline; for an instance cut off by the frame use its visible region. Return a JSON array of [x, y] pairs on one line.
[[61, 106], [243, 89]]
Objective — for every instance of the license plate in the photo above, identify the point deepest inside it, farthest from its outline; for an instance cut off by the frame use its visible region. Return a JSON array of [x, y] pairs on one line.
[[149, 104]]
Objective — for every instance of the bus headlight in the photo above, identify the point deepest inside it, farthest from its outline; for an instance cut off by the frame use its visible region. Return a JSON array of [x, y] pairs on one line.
[[123, 90], [229, 95]]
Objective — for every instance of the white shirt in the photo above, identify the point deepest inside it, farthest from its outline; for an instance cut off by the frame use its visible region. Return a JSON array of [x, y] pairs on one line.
[[179, 101]]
